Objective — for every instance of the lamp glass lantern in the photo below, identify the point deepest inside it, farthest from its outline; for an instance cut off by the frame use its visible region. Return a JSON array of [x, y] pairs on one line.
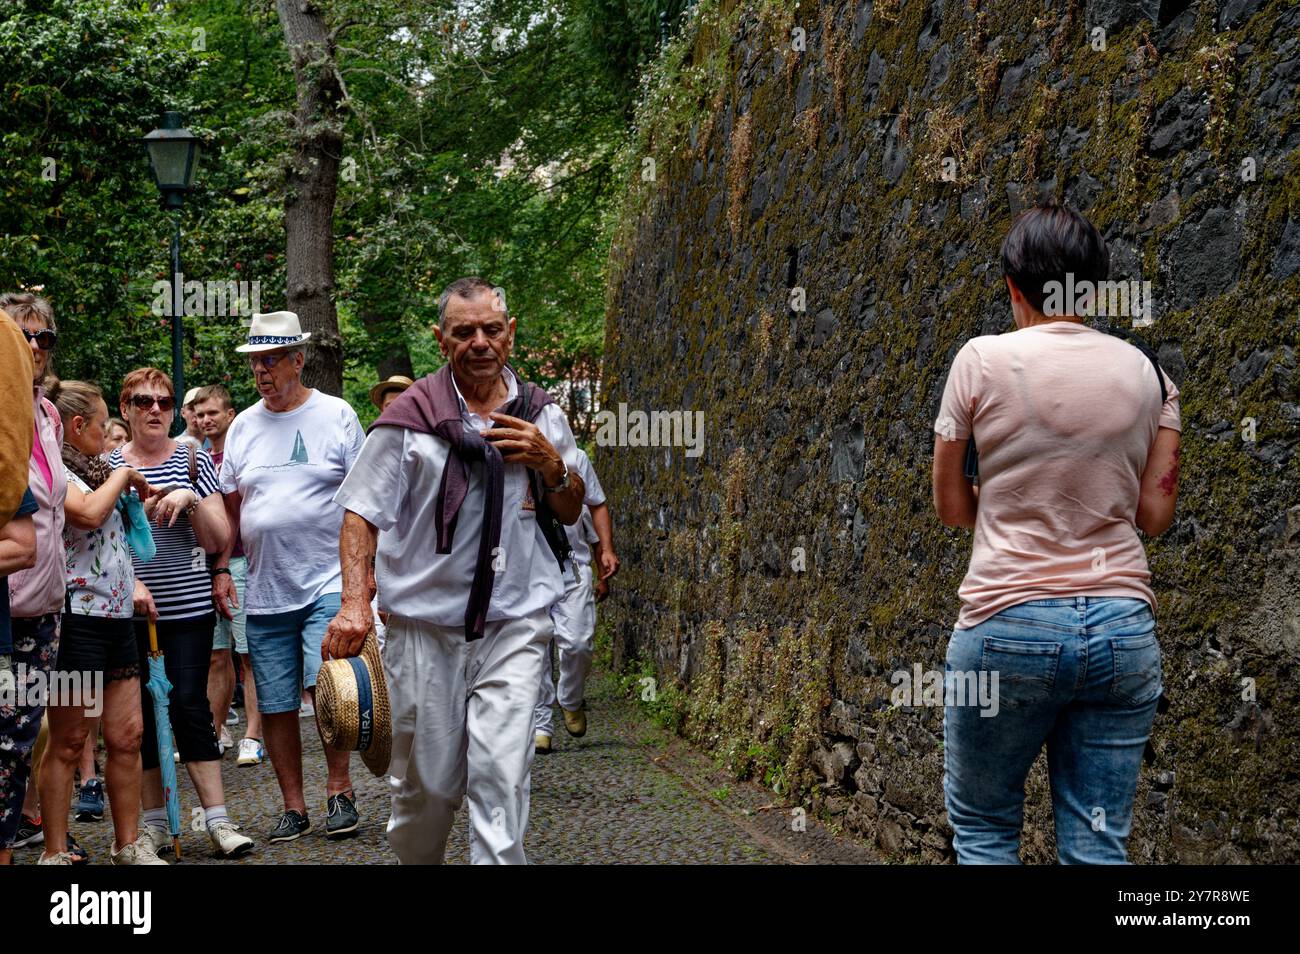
[[174, 155]]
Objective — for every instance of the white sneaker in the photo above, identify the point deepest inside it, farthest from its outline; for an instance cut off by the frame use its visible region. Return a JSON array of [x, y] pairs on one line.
[[251, 752], [157, 840], [227, 840], [139, 852], [232, 717], [62, 858], [225, 741]]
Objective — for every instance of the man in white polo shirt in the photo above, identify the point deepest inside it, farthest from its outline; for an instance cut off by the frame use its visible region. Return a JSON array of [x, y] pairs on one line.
[[471, 475]]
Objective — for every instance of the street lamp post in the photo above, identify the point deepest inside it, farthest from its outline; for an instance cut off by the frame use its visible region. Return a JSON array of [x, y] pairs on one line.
[[174, 155]]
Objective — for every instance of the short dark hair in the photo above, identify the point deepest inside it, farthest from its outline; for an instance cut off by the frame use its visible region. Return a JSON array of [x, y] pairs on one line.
[[466, 287], [214, 391], [1045, 243], [143, 376]]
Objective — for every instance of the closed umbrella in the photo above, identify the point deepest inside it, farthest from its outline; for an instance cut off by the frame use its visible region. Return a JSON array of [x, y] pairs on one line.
[[160, 687]]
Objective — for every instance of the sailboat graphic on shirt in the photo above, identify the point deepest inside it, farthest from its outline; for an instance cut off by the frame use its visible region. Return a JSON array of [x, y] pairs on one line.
[[299, 455]]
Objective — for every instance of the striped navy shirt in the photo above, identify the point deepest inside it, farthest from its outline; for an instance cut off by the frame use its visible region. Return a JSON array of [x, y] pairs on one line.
[[177, 576]]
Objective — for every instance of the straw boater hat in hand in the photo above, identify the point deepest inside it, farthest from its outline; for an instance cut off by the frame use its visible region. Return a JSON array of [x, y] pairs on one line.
[[275, 329], [352, 707]]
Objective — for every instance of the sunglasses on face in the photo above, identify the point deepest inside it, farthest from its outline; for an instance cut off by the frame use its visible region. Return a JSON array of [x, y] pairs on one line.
[[267, 361], [44, 339], [145, 401]]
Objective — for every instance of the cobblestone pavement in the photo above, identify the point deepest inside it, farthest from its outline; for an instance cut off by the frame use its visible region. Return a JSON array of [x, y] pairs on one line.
[[627, 792]]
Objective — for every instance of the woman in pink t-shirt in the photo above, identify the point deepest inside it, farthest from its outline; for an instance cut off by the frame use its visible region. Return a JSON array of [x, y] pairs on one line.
[[35, 594], [1077, 434]]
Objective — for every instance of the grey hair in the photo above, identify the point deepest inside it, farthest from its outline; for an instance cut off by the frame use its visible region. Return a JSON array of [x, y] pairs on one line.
[[466, 287], [24, 305]]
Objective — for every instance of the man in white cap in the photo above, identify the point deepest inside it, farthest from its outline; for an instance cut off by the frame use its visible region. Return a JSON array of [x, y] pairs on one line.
[[471, 475], [193, 433], [575, 615], [285, 457]]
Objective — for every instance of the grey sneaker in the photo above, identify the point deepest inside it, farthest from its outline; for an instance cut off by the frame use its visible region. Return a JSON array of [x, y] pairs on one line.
[[139, 852], [342, 817], [292, 825], [157, 840], [228, 842]]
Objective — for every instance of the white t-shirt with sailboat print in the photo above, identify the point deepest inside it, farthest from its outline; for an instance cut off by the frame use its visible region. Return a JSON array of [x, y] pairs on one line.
[[287, 467]]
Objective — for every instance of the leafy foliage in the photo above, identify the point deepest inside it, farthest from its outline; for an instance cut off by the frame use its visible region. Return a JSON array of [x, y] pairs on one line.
[[481, 138]]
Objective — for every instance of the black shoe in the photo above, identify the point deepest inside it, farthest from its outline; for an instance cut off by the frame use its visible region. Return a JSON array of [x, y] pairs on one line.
[[79, 855], [292, 825], [342, 817], [29, 833]]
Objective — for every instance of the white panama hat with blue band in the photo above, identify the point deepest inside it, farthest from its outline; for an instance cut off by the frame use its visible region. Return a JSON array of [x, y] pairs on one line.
[[275, 329]]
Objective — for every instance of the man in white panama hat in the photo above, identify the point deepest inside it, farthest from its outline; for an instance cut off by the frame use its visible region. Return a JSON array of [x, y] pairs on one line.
[[285, 457]]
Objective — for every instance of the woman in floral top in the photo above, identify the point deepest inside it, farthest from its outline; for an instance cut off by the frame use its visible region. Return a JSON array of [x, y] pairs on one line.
[[98, 635]]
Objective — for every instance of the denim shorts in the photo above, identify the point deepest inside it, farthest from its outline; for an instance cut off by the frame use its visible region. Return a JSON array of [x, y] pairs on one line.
[[234, 628], [284, 649]]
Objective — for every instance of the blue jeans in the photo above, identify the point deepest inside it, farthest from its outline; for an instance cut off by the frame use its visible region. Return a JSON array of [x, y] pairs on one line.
[[1081, 674], [284, 649]]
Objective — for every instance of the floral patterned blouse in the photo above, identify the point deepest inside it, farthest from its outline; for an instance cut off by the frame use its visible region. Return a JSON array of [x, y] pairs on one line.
[[100, 576]]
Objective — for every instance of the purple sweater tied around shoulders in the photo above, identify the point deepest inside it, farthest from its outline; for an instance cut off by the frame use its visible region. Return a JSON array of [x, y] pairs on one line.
[[431, 406]]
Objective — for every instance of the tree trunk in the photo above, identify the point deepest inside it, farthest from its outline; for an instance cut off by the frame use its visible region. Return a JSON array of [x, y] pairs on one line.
[[394, 358], [311, 185]]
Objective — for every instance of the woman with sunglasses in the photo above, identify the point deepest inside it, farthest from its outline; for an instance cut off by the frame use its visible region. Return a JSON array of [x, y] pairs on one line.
[[35, 595], [174, 589]]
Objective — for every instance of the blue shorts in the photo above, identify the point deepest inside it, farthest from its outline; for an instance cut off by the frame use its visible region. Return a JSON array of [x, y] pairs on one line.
[[228, 628], [284, 649]]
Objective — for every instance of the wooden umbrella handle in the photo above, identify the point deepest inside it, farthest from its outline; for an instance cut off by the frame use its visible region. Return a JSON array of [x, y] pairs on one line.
[[153, 637]]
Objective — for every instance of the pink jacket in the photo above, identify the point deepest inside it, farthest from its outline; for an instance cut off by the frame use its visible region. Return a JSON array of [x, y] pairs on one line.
[[39, 590]]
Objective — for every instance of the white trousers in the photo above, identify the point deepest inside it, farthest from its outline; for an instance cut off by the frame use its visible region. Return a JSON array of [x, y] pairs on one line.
[[462, 722], [575, 629]]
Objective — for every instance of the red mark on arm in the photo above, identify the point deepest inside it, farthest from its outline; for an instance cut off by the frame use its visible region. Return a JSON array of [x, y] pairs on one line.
[[1169, 482]]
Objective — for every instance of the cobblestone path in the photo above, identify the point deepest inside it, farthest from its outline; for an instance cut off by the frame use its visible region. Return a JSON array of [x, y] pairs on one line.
[[627, 792]]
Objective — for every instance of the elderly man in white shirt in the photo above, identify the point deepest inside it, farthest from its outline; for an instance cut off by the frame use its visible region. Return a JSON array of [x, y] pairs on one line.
[[470, 475]]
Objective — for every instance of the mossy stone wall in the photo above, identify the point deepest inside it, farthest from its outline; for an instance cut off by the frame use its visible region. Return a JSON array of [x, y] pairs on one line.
[[778, 579]]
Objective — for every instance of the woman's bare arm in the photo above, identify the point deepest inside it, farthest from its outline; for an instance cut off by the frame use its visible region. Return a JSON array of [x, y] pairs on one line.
[[17, 545], [1159, 489], [955, 500]]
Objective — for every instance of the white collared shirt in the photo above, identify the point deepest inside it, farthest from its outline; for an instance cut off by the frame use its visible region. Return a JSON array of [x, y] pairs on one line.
[[394, 485]]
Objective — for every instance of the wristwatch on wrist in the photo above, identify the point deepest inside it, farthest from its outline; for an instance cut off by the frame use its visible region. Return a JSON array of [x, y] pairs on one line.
[[563, 484]]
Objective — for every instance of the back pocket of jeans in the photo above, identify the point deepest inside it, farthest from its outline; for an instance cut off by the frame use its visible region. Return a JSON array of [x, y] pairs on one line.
[[1137, 669], [1025, 669]]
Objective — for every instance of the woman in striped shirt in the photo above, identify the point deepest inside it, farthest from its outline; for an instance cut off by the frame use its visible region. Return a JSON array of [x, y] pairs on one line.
[[175, 590]]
